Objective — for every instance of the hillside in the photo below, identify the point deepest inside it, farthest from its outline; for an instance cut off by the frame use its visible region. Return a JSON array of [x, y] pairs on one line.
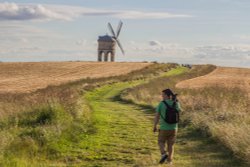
[[74, 125], [28, 77], [222, 76]]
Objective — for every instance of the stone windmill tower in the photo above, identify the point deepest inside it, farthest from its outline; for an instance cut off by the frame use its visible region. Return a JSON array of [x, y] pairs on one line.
[[107, 44]]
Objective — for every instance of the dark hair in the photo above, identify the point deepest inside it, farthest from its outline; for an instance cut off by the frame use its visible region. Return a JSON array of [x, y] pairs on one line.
[[170, 93]]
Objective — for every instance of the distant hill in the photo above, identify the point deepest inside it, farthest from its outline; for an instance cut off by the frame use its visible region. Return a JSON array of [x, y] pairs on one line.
[[222, 76]]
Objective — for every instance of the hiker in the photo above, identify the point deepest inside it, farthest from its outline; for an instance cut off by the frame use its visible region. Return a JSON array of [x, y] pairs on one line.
[[167, 131]]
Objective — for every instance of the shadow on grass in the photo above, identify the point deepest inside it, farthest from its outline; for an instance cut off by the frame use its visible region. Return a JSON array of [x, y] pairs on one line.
[[147, 109]]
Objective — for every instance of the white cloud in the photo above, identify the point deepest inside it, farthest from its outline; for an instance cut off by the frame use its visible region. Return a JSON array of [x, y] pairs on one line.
[[16, 35], [242, 37], [24, 40], [17, 32], [21, 50], [162, 49], [154, 43], [223, 52], [148, 15], [81, 42], [224, 55], [13, 11]]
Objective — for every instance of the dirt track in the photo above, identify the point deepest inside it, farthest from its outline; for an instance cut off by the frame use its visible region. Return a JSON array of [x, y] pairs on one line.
[[222, 76], [27, 77]]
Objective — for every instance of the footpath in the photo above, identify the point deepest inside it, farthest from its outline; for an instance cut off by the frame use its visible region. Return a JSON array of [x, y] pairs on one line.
[[124, 136]]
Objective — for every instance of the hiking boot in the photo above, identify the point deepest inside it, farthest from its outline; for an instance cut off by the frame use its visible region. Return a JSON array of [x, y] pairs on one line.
[[169, 162], [163, 158]]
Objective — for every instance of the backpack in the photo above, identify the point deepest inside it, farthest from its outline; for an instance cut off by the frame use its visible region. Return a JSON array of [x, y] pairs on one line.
[[172, 114]]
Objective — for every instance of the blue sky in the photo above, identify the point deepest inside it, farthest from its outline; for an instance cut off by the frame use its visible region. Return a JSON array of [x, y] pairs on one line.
[[193, 31]]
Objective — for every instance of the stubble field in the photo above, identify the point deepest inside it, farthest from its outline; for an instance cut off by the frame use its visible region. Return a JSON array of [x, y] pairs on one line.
[[28, 77], [222, 77]]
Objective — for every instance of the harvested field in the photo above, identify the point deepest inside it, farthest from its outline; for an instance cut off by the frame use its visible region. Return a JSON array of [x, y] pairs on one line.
[[223, 77], [30, 76]]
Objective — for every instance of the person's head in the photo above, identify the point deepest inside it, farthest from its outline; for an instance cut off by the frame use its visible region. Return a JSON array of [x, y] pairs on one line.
[[168, 94]]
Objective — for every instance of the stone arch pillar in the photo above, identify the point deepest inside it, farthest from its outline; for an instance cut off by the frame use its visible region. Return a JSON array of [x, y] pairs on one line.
[[106, 56], [112, 56], [100, 55]]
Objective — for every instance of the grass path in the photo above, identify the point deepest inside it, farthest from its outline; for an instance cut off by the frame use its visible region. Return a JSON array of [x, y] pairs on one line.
[[124, 136], [120, 139]]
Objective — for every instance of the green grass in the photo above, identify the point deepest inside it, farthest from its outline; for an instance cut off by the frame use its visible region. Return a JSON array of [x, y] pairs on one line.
[[175, 71]]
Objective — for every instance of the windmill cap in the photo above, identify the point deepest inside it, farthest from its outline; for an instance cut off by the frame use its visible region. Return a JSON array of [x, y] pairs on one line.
[[106, 38]]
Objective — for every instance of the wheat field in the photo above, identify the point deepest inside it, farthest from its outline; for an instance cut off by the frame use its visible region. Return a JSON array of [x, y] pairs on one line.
[[223, 77], [30, 76]]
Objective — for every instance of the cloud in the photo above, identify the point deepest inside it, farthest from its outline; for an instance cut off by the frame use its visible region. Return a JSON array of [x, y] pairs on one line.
[[154, 43], [13, 11], [242, 37], [21, 50], [155, 47], [223, 52], [223, 55], [148, 15], [15, 34], [81, 42], [24, 40]]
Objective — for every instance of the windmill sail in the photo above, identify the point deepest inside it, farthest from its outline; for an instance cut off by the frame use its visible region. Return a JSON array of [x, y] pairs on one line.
[[111, 29], [119, 29], [115, 36], [120, 46]]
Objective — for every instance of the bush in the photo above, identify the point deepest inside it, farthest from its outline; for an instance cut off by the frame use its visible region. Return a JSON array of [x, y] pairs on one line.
[[50, 114]]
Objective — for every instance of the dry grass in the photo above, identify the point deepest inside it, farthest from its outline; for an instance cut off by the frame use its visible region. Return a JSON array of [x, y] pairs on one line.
[[223, 77], [220, 105], [28, 77], [223, 114]]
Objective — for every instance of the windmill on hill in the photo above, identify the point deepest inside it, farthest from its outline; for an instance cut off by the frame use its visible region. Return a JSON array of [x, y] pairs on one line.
[[107, 44]]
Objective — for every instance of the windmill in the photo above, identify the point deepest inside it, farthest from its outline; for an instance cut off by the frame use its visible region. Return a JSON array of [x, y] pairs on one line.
[[107, 44]]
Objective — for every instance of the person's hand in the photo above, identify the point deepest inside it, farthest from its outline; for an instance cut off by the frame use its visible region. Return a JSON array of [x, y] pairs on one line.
[[155, 129]]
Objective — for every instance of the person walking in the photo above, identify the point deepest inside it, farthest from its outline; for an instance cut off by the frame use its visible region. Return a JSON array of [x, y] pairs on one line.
[[167, 113]]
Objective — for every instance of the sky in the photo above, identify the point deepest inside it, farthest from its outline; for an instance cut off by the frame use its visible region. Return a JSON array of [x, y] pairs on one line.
[[180, 31]]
